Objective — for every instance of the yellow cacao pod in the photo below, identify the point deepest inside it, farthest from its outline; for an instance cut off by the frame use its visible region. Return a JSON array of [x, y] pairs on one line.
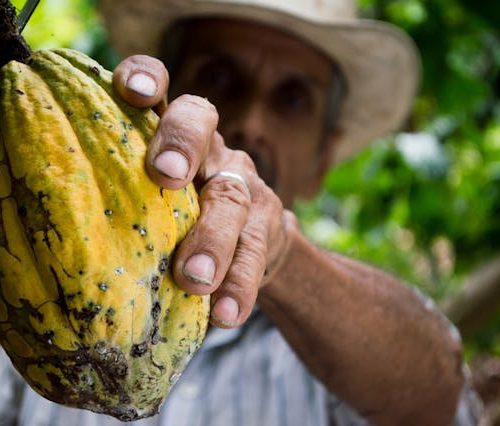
[[89, 314]]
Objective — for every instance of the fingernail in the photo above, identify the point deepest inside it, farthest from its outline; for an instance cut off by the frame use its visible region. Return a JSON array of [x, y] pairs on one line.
[[226, 310], [142, 84], [200, 268], [172, 164]]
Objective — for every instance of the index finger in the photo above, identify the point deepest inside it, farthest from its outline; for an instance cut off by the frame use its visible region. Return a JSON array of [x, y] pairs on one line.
[[141, 80]]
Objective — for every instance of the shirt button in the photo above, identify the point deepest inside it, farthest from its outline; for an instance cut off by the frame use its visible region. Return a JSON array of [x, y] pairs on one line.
[[189, 390]]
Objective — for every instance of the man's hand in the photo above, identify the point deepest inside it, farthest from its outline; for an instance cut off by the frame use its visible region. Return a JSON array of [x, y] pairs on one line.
[[241, 229]]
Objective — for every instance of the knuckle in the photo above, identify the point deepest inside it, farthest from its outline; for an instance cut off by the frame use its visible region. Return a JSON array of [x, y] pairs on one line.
[[242, 158], [185, 117], [274, 201], [253, 240], [242, 283], [180, 130], [243, 280], [252, 248], [266, 196], [215, 240], [266, 192], [197, 102], [218, 140], [226, 191]]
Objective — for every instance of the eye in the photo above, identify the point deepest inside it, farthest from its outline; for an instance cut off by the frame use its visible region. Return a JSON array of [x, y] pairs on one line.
[[216, 80], [293, 97]]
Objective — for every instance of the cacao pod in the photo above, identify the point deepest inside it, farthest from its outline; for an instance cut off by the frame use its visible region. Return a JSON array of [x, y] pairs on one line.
[[89, 314]]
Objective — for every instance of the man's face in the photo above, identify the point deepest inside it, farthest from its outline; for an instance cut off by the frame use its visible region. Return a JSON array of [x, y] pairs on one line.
[[270, 90]]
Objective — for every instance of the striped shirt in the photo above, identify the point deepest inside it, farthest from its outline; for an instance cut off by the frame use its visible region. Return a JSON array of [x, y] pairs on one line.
[[241, 377]]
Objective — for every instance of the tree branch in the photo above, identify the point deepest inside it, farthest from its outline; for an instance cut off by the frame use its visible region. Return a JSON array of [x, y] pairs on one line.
[[478, 299], [12, 44]]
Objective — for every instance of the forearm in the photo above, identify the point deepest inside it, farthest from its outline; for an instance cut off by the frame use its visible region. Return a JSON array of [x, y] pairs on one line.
[[368, 338]]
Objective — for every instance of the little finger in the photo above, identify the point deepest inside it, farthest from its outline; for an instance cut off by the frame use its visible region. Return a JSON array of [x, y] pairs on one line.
[[234, 300]]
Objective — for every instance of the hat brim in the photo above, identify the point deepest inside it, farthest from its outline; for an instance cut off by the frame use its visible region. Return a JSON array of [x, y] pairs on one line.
[[380, 62]]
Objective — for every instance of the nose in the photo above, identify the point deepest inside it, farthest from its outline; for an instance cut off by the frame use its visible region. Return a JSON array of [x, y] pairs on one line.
[[244, 125], [248, 129]]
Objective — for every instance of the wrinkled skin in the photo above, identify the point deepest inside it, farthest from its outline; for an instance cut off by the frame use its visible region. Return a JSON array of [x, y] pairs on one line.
[[344, 319], [271, 100]]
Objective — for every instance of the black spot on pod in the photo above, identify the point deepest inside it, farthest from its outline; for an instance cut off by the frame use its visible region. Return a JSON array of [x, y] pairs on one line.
[[142, 231], [155, 336], [95, 70], [103, 286], [96, 115], [156, 310], [88, 313], [22, 211], [108, 315], [155, 283], [49, 337], [163, 265], [19, 92], [139, 349], [108, 212]]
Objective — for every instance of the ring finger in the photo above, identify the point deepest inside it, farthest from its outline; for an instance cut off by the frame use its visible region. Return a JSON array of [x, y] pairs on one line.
[[204, 257]]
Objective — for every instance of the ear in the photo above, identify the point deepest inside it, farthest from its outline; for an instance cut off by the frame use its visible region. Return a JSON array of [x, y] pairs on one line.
[[323, 163]]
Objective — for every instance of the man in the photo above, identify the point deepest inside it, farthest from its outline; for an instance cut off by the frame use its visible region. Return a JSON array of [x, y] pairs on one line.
[[297, 85]]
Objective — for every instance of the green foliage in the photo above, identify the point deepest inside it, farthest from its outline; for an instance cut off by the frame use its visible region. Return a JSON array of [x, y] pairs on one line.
[[428, 209], [69, 23]]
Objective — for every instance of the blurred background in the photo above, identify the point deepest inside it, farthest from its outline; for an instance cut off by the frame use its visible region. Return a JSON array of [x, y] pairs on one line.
[[423, 204]]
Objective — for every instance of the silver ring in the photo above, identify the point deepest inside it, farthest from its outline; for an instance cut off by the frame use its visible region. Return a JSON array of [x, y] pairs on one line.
[[234, 176]]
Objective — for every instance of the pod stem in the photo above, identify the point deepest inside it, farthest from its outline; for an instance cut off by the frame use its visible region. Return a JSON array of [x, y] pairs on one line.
[[12, 44]]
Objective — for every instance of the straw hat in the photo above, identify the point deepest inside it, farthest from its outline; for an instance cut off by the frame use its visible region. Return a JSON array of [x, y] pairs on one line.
[[380, 62]]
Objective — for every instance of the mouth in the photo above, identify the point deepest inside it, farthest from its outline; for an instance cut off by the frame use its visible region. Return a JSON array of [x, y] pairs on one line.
[[262, 155]]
